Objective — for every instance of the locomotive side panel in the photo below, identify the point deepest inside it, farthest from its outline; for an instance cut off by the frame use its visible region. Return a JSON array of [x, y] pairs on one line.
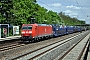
[[49, 30], [44, 31]]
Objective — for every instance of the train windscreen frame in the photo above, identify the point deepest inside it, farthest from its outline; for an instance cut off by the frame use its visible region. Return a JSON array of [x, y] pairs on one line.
[[27, 28]]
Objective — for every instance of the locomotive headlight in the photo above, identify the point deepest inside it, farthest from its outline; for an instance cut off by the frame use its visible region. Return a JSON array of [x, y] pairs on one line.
[[26, 31], [23, 32], [30, 32]]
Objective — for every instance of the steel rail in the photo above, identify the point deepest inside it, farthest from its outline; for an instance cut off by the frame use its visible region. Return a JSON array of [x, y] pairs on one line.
[[38, 52]]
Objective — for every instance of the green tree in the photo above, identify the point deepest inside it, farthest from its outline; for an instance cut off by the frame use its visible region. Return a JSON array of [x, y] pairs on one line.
[[70, 21]]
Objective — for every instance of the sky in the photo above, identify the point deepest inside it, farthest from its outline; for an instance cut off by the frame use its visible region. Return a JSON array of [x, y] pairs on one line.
[[79, 9]]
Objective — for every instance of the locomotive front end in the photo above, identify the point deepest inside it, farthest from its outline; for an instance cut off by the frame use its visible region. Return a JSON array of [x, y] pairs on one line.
[[26, 33]]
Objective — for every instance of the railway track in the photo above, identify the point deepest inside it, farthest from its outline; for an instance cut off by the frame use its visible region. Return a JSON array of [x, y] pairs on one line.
[[50, 52], [77, 52], [11, 45], [16, 51], [7, 43]]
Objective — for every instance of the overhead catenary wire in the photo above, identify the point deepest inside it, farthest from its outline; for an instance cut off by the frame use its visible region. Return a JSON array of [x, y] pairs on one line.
[[81, 8], [47, 5], [51, 8], [77, 2]]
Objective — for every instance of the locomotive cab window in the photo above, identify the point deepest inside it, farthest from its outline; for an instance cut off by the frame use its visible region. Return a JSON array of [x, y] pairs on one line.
[[30, 27], [27, 27], [24, 27]]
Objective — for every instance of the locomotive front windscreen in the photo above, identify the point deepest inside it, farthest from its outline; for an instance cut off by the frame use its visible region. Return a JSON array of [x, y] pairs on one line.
[[27, 27]]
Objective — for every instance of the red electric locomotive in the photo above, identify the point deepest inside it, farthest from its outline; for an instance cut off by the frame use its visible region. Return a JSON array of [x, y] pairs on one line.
[[31, 32]]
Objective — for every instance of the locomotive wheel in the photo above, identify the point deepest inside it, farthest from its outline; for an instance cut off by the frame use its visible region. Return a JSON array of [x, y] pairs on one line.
[[36, 39]]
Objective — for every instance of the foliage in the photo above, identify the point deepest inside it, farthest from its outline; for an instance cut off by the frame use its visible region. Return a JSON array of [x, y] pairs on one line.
[[70, 21], [18, 12]]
